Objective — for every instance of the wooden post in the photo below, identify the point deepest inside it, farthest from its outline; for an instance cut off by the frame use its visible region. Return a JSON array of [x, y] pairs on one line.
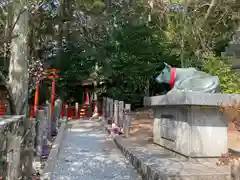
[[127, 119]]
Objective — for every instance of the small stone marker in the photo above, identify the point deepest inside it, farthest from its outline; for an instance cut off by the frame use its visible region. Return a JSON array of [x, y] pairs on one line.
[[76, 110], [58, 108], [116, 121], [44, 128], [121, 113], [49, 125], [127, 119], [66, 112], [110, 111]]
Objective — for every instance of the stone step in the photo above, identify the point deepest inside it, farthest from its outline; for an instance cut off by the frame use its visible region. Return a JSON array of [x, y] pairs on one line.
[[154, 161]]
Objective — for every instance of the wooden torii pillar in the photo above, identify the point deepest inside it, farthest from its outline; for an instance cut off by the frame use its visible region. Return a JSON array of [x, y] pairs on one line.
[[36, 97], [50, 74]]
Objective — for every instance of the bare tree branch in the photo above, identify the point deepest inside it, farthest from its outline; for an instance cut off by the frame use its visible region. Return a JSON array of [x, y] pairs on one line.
[[14, 24], [210, 9]]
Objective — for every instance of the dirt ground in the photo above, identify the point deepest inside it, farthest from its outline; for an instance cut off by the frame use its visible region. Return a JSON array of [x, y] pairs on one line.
[[233, 139], [142, 125]]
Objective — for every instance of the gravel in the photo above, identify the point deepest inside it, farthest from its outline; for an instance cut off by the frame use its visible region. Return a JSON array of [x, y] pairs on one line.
[[87, 153]]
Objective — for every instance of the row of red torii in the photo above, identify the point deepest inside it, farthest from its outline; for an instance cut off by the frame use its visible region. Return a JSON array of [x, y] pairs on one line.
[[78, 111]]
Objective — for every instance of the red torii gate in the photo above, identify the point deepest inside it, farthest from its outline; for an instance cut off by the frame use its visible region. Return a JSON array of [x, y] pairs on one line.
[[50, 74]]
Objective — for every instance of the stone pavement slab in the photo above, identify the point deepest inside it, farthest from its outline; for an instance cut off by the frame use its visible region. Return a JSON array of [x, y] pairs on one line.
[[87, 153]]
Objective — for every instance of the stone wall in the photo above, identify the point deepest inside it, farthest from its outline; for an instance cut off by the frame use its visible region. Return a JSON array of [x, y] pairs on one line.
[[12, 143]]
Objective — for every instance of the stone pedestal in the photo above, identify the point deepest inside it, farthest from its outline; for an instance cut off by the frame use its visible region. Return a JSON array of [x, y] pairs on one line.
[[190, 123]]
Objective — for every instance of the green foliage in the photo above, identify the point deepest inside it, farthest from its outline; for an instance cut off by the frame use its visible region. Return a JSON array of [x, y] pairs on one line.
[[91, 6], [205, 33], [218, 66], [134, 48], [128, 48]]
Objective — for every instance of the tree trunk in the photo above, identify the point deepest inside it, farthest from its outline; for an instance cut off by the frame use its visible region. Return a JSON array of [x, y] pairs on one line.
[[7, 43], [19, 80], [18, 66], [95, 96]]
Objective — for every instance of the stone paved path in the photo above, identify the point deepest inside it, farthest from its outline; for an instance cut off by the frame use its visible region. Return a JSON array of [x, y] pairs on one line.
[[87, 153]]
